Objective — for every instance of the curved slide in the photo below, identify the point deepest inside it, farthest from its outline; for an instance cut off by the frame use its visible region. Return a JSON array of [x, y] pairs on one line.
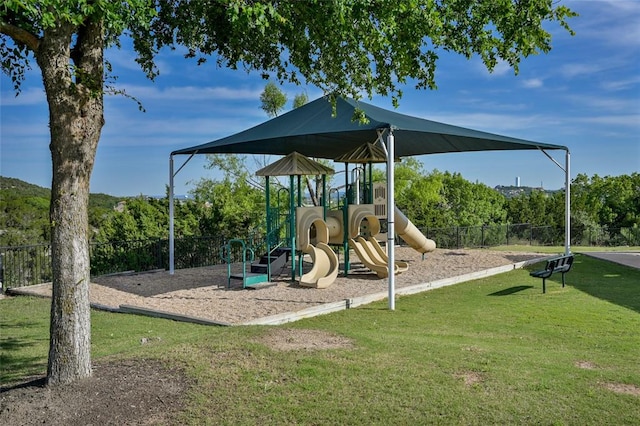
[[374, 246], [313, 236], [377, 266], [412, 235], [325, 266]]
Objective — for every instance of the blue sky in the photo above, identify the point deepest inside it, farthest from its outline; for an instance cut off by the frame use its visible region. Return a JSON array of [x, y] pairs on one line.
[[584, 94]]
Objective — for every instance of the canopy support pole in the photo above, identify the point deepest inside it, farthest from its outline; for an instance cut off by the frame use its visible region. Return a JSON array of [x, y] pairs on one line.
[[567, 207], [171, 211], [567, 196], [346, 233], [391, 207]]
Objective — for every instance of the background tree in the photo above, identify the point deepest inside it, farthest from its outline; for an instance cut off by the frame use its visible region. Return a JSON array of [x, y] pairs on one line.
[[273, 99], [470, 204], [232, 206], [529, 208], [418, 193], [299, 100], [371, 48]]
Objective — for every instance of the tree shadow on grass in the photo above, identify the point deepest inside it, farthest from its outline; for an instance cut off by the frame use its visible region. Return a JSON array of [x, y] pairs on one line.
[[605, 280], [12, 365]]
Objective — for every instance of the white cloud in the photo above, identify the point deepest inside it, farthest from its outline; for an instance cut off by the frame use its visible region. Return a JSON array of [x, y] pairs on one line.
[[627, 120], [577, 69], [124, 128], [190, 93], [532, 83], [124, 59], [501, 68], [494, 123], [28, 96], [622, 84], [608, 104], [613, 22]]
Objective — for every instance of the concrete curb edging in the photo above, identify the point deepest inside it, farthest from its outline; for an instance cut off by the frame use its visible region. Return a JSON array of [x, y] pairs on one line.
[[325, 308], [28, 291], [370, 298], [128, 309]]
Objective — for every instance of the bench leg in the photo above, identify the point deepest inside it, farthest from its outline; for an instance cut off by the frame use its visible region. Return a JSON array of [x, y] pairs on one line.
[[563, 280], [544, 285]]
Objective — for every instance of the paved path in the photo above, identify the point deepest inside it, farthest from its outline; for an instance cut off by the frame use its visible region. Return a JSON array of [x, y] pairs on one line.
[[624, 258]]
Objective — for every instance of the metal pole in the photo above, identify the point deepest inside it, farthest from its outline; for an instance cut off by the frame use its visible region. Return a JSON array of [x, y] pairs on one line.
[[171, 236], [355, 180], [292, 226], [391, 208], [346, 232], [324, 197], [268, 215], [171, 210], [370, 187], [567, 208]]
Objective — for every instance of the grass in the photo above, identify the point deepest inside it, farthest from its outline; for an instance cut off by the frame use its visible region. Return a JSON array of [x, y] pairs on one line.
[[491, 351]]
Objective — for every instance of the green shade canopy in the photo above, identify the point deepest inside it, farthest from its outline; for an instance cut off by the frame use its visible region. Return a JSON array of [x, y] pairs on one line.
[[313, 131]]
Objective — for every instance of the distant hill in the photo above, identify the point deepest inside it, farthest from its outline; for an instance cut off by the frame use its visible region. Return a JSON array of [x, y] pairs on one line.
[[11, 185], [21, 188], [24, 209], [511, 191]]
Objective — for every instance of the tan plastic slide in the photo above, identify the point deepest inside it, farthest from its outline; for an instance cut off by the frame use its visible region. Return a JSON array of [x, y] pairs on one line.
[[412, 235], [374, 246], [377, 266], [325, 266], [325, 261]]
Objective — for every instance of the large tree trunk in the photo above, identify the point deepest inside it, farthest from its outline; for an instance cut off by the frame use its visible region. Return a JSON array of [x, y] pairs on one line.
[[76, 118]]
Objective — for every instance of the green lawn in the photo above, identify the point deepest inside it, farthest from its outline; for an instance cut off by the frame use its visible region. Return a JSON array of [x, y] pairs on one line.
[[491, 351]]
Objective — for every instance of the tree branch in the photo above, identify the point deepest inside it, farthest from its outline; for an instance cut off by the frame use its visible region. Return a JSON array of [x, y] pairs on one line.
[[20, 36]]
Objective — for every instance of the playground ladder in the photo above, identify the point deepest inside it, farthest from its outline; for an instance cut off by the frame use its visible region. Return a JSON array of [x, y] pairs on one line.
[[249, 279]]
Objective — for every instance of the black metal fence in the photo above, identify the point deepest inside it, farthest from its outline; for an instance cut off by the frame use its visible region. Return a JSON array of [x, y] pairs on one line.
[[29, 265], [527, 234], [496, 235]]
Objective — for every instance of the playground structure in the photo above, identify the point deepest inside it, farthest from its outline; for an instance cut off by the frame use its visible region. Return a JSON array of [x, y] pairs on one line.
[[314, 232], [325, 128]]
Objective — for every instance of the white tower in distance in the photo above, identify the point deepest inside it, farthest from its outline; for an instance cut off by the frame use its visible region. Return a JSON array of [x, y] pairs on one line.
[[517, 181]]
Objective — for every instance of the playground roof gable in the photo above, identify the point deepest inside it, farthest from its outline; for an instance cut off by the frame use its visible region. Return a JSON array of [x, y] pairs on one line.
[[313, 131], [295, 164]]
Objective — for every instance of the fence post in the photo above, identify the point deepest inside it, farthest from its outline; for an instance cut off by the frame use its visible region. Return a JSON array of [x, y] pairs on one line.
[[507, 234], [530, 234], [1, 273], [158, 261]]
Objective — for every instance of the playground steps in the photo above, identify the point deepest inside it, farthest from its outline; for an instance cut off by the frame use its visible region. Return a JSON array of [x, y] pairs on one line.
[[250, 279], [278, 258]]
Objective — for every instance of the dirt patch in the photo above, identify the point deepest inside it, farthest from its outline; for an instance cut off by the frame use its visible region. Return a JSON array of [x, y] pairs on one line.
[[622, 388], [586, 365], [133, 392], [303, 339], [470, 378]]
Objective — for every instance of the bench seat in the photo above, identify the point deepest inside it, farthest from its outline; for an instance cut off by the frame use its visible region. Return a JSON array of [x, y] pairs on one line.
[[559, 264]]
